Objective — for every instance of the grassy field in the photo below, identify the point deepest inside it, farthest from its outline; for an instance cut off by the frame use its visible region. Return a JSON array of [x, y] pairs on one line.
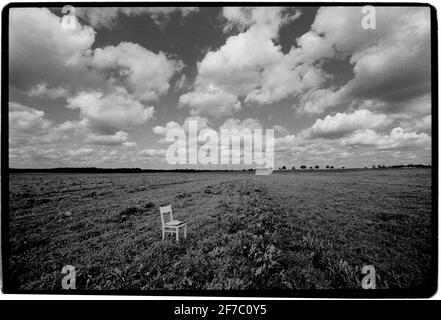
[[290, 230]]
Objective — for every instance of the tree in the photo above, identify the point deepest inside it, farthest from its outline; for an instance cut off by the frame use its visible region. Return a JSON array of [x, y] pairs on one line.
[[284, 168], [327, 166], [342, 167], [310, 167], [316, 167], [293, 168], [332, 167], [303, 167]]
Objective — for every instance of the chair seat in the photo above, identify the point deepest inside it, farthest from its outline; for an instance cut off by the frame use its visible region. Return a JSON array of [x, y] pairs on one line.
[[175, 223]]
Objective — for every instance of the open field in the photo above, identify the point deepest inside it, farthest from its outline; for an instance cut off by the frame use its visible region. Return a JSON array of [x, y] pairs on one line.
[[289, 230]]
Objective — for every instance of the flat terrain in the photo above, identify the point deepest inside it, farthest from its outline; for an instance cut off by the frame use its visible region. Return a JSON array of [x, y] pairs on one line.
[[290, 230]]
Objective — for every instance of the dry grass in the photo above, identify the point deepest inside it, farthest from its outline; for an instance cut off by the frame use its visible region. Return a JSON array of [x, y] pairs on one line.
[[284, 231]]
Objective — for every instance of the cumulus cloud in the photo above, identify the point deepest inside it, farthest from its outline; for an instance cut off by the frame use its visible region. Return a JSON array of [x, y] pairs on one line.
[[249, 65], [162, 130], [341, 124], [380, 105], [81, 152], [152, 153], [316, 101], [390, 63], [107, 17], [118, 138], [42, 90], [201, 123], [204, 124], [36, 140], [213, 102], [43, 54], [284, 79], [28, 126], [101, 17], [281, 129], [145, 73], [42, 51], [270, 19], [107, 113], [162, 15], [338, 145], [26, 119], [424, 124], [130, 144], [30, 155], [236, 66], [397, 138]]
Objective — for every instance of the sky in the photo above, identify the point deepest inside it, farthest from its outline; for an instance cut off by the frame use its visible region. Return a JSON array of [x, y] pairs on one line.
[[101, 87]]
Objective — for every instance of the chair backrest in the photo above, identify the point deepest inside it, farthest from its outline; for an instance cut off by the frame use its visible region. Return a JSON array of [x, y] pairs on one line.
[[164, 210]]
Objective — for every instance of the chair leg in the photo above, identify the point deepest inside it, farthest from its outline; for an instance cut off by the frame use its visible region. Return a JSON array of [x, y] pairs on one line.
[[177, 235], [185, 231], [163, 234]]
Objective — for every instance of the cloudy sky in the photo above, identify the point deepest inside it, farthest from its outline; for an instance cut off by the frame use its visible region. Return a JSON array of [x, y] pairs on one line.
[[105, 92]]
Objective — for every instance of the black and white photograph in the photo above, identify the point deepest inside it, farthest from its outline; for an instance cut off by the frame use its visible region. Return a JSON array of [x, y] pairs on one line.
[[272, 149]]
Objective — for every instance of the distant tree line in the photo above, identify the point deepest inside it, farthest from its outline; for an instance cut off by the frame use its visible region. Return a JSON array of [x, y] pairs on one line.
[[139, 170], [375, 166], [107, 170], [304, 167], [411, 165]]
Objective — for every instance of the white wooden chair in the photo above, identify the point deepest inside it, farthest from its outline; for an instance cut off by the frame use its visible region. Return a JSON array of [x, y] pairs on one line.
[[172, 226]]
